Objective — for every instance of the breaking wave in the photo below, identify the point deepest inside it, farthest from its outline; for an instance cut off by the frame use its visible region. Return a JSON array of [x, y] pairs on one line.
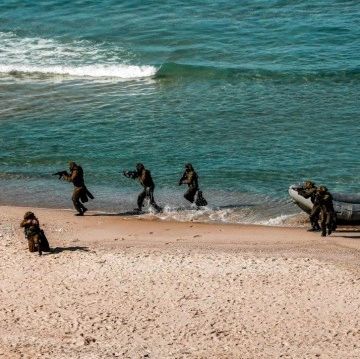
[[82, 58]]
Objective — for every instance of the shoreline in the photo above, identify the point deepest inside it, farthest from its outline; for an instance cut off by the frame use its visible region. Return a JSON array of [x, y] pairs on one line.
[[346, 235], [119, 286]]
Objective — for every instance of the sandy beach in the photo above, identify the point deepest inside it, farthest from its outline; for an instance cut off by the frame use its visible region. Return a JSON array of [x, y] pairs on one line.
[[117, 286]]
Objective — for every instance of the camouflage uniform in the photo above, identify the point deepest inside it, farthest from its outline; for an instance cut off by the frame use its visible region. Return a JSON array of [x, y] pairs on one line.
[[145, 179], [76, 176], [32, 231], [190, 178], [311, 192], [327, 210]]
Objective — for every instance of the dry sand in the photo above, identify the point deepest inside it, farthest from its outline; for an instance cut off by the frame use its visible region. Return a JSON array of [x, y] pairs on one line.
[[121, 287]]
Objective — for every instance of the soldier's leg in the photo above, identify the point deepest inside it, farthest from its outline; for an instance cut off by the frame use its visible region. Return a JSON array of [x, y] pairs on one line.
[[140, 199], [190, 194], [323, 223], [37, 243], [82, 197], [150, 194], [334, 221], [314, 217], [329, 223], [31, 244], [76, 199]]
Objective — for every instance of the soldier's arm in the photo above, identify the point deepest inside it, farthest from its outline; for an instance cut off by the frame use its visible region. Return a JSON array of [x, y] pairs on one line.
[[29, 222], [70, 177], [308, 193], [23, 223]]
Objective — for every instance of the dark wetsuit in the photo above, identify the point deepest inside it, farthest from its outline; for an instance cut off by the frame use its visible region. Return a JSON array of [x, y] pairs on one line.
[[190, 178], [145, 179]]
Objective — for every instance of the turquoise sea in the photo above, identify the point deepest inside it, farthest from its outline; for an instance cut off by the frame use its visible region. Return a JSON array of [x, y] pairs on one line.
[[257, 95]]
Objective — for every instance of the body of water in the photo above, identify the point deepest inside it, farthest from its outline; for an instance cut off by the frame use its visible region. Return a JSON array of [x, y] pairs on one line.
[[257, 95]]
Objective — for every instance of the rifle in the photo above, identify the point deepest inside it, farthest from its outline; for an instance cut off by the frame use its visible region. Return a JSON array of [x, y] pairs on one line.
[[183, 177], [60, 174], [130, 174]]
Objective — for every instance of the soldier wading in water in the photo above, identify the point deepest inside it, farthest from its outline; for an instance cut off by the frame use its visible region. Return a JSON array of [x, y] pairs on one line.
[[190, 178], [145, 179]]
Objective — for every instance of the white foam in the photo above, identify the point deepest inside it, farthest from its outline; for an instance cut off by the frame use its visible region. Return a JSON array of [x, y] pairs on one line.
[[278, 221], [96, 71], [76, 59]]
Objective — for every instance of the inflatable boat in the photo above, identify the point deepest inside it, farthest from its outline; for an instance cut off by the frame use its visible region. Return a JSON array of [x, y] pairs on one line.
[[347, 206]]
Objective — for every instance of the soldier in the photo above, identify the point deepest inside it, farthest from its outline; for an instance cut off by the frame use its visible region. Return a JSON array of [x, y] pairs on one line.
[[76, 176], [327, 210], [145, 179], [190, 178], [32, 231], [310, 191]]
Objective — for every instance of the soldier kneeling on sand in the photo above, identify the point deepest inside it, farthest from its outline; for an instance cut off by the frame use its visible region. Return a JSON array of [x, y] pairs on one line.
[[35, 236]]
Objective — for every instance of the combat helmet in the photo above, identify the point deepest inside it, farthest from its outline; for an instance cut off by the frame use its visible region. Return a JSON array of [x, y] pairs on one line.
[[29, 215], [309, 184]]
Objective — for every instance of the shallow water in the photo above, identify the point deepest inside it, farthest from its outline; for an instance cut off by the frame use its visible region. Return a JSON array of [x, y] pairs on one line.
[[256, 97]]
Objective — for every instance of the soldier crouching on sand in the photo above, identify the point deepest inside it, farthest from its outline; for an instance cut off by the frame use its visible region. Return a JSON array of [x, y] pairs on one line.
[[81, 193], [35, 236]]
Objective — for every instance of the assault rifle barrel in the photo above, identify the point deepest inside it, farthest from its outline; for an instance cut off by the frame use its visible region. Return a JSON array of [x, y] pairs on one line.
[[60, 174]]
